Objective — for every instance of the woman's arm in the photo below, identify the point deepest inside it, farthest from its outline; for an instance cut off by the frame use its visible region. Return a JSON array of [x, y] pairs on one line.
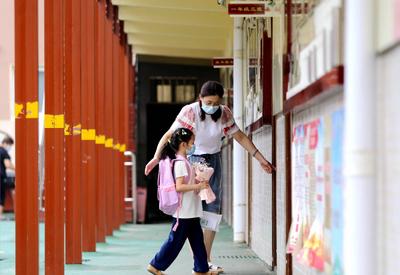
[[247, 144], [8, 164], [181, 186], [164, 139], [152, 163]]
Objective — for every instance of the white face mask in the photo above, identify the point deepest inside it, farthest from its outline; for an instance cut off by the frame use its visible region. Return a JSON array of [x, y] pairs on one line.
[[7, 148], [191, 151], [209, 109]]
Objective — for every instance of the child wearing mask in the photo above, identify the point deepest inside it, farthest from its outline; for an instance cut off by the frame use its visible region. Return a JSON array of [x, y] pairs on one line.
[[179, 146]]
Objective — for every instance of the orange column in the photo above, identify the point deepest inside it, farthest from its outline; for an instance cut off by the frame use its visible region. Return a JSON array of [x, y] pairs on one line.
[[132, 105], [115, 93], [54, 138], [26, 123], [121, 197], [73, 132], [125, 107], [109, 118], [88, 134], [100, 135]]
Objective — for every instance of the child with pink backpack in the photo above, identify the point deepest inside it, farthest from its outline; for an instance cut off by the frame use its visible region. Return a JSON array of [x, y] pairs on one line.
[[187, 203]]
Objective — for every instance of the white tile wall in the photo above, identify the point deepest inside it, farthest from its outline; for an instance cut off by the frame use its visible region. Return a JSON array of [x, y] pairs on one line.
[[227, 184], [280, 196], [388, 134], [261, 203]]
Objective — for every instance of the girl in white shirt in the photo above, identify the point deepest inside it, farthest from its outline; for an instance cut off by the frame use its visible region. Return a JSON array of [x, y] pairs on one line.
[[181, 144]]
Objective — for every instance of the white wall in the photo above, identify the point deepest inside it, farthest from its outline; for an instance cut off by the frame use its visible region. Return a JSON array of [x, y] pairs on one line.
[[281, 196], [388, 134], [6, 63], [227, 184], [7, 37], [261, 199]]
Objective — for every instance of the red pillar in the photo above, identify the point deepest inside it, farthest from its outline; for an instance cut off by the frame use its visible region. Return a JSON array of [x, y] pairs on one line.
[[100, 135], [121, 197], [54, 138], [73, 132], [88, 134], [26, 111], [115, 76], [132, 104], [109, 117], [125, 107]]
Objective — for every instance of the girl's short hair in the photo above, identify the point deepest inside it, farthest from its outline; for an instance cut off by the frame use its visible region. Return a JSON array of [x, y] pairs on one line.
[[180, 135]]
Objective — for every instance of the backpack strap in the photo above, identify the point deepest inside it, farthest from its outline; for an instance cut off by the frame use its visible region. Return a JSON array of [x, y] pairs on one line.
[[180, 197], [177, 213]]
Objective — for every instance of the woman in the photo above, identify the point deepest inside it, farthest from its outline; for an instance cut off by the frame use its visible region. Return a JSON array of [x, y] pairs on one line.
[[210, 121]]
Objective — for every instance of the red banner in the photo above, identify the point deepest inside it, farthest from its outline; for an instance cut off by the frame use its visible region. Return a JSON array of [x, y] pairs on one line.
[[246, 8], [222, 62]]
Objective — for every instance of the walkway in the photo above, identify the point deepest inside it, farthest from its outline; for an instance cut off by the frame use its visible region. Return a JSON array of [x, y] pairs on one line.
[[130, 249]]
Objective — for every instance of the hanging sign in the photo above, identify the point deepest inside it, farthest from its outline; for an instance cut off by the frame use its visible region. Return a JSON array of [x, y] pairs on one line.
[[254, 9], [222, 62], [253, 62]]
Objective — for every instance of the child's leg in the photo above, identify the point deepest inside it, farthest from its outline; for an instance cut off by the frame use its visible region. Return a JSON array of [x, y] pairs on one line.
[[196, 240], [172, 246]]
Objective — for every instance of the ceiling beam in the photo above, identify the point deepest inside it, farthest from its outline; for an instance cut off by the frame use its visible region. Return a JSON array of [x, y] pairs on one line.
[[198, 5], [176, 42], [187, 31], [179, 17], [175, 52]]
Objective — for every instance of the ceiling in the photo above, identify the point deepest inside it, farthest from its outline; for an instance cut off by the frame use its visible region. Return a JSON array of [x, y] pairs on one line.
[[176, 28]]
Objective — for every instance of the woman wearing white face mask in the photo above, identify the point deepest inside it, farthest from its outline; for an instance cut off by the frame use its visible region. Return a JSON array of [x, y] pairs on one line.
[[210, 122]]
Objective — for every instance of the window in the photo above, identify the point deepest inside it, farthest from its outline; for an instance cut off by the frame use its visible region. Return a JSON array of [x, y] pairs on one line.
[[173, 89], [253, 65]]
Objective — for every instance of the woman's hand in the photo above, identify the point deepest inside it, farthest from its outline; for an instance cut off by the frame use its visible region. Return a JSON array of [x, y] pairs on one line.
[[267, 166], [247, 144], [203, 185], [152, 163]]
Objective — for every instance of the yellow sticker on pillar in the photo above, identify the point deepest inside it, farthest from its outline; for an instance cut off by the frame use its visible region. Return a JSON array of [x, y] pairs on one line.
[[76, 130], [117, 146], [67, 130], [88, 134], [101, 139], [109, 143], [18, 110], [59, 122], [32, 110], [49, 121], [122, 149]]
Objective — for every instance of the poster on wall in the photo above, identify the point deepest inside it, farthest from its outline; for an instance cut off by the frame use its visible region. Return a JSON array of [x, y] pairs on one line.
[[315, 237]]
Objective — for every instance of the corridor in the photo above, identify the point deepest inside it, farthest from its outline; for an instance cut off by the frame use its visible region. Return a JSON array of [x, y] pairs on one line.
[[129, 249], [293, 103]]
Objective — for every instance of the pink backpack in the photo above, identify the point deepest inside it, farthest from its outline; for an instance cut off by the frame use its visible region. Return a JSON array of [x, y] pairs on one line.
[[169, 199]]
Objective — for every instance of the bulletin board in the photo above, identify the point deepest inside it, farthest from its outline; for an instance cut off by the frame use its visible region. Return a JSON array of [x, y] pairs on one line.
[[315, 238]]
